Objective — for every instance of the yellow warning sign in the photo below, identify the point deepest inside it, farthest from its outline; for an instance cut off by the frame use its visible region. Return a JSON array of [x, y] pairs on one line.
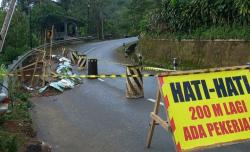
[[207, 109]]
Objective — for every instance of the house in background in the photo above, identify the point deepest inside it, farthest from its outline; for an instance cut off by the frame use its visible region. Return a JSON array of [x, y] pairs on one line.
[[64, 27]]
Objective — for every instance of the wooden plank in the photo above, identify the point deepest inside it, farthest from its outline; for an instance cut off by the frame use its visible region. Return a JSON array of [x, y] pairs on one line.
[[154, 122], [44, 68], [161, 122], [166, 112], [27, 66], [64, 52], [45, 40], [44, 73], [22, 74], [50, 53], [34, 72], [156, 119], [29, 69]]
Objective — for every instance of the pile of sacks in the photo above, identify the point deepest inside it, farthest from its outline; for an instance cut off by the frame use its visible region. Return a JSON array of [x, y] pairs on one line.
[[66, 79]]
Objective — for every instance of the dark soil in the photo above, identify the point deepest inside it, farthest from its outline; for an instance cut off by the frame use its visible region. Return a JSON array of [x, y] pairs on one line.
[[23, 127]]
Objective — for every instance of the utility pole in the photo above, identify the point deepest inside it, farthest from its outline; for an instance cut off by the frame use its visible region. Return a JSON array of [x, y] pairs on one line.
[[175, 64], [30, 26], [6, 24], [102, 22], [88, 31]]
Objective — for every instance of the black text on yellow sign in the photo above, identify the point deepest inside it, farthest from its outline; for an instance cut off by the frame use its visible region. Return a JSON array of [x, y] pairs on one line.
[[222, 87], [209, 108]]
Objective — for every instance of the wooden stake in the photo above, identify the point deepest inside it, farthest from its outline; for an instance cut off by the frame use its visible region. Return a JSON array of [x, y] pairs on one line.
[[28, 69], [34, 72], [44, 72], [51, 41], [153, 122], [22, 74], [156, 120], [45, 40], [44, 69], [50, 52], [27, 66], [43, 59], [63, 52]]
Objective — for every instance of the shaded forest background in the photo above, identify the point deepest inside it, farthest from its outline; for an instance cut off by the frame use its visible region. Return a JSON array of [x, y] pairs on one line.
[[169, 19]]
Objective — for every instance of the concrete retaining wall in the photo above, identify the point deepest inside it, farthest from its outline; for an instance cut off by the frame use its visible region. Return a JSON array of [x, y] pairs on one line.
[[196, 54]]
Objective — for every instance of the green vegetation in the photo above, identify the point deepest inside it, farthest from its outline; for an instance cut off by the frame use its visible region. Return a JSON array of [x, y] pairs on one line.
[[12, 138], [17, 38], [218, 32], [177, 19], [107, 15], [104, 15], [171, 19], [196, 19], [3, 70], [20, 109], [8, 142]]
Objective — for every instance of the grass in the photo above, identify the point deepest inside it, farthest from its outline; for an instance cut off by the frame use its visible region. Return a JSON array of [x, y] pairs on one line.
[[9, 142], [3, 70], [19, 109]]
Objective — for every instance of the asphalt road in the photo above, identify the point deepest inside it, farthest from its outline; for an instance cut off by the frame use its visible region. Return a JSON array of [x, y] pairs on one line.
[[97, 117]]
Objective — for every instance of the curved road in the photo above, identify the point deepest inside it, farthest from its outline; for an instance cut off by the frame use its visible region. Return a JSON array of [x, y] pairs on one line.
[[96, 116]]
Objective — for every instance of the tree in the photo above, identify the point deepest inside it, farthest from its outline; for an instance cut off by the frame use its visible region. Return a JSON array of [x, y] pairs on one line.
[[17, 38]]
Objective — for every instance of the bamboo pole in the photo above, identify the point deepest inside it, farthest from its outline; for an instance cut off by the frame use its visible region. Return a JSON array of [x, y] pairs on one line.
[[44, 69], [43, 59], [50, 52], [34, 72], [45, 39]]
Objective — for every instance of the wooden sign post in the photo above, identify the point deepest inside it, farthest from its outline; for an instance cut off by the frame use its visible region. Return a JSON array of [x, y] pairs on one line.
[[205, 108], [156, 120]]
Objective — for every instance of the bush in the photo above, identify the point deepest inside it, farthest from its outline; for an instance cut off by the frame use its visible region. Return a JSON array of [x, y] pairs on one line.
[[17, 38], [8, 142], [20, 108], [214, 32]]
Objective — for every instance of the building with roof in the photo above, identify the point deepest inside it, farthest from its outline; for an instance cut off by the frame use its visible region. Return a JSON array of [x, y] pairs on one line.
[[65, 27]]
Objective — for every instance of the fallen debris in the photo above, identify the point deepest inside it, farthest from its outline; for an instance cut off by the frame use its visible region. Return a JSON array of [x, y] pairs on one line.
[[38, 146], [4, 103], [63, 69], [29, 88]]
